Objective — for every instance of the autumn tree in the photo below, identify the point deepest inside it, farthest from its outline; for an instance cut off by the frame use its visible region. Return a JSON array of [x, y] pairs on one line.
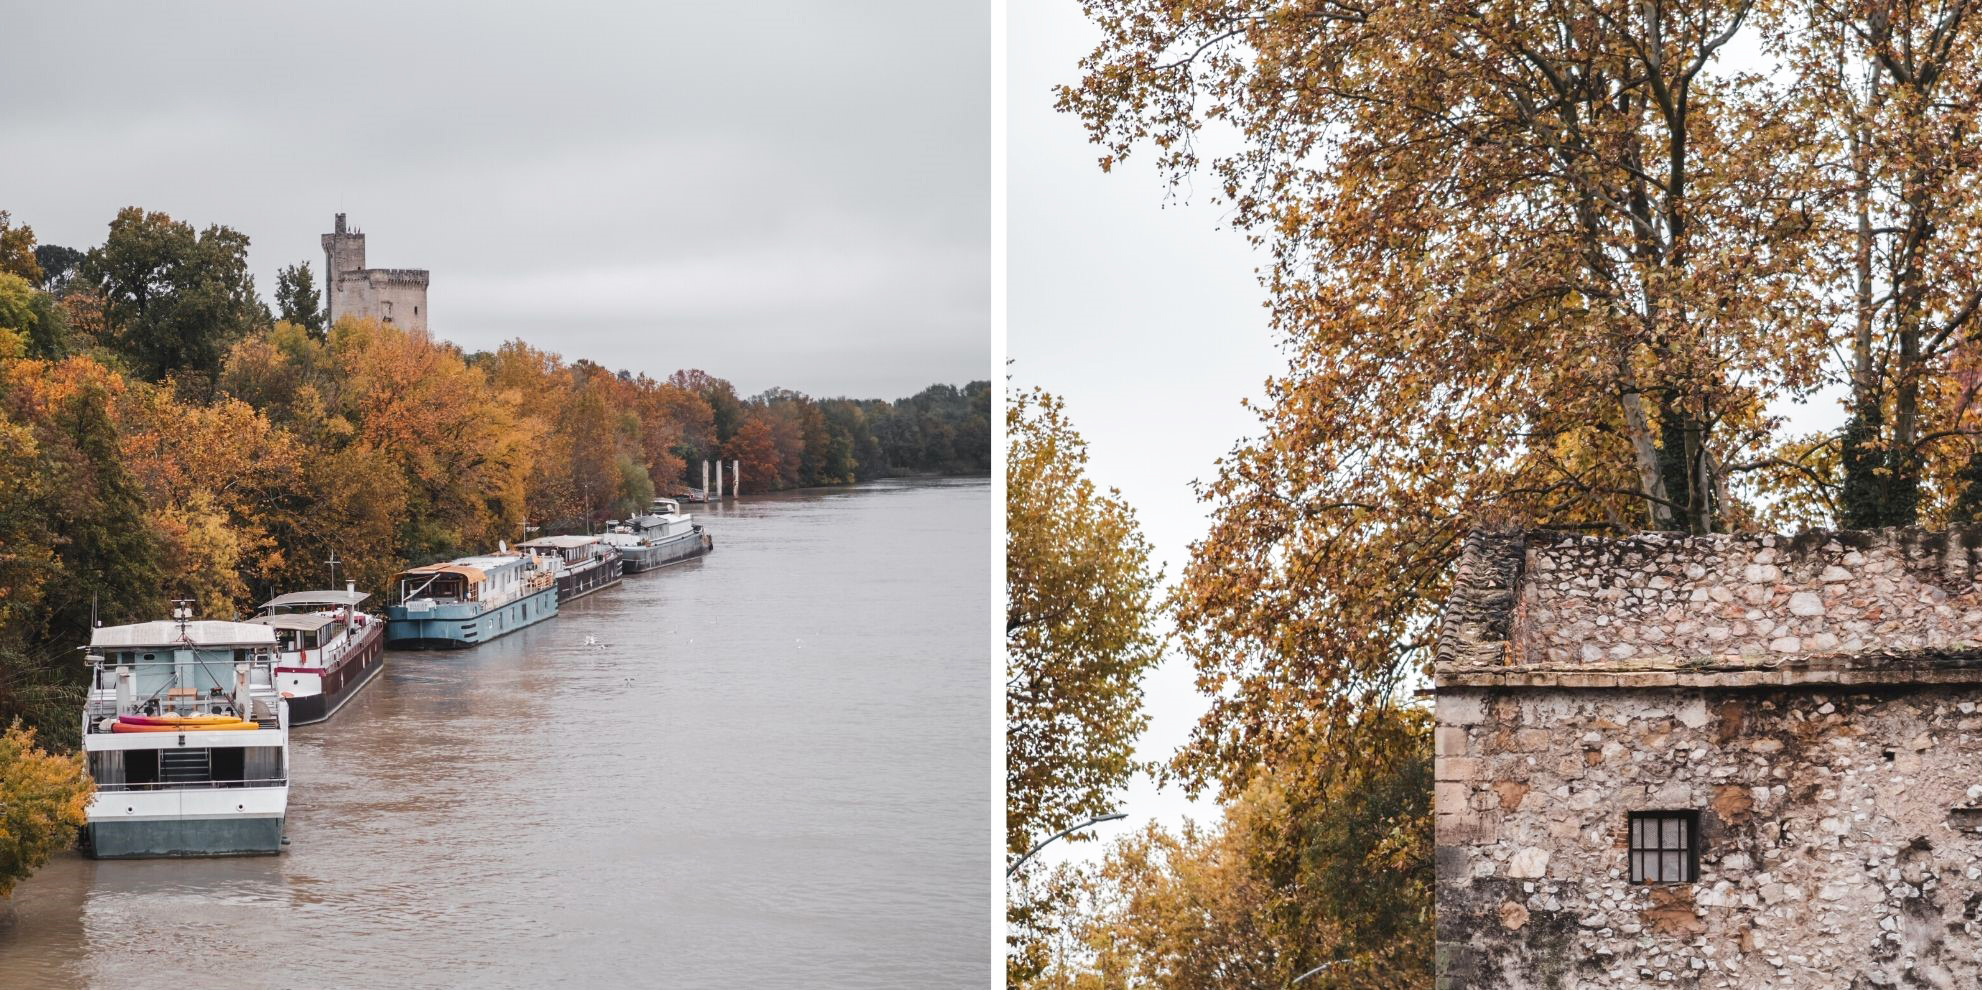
[[17, 249], [297, 299], [677, 430], [1893, 93], [755, 449], [1327, 874], [176, 299], [1502, 208], [1078, 640], [40, 321], [43, 798], [1079, 585], [725, 408], [106, 556], [27, 542], [221, 481], [1534, 262], [465, 454]]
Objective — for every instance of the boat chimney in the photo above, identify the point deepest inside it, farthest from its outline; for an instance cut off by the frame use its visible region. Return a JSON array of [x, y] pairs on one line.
[[127, 695], [351, 586]]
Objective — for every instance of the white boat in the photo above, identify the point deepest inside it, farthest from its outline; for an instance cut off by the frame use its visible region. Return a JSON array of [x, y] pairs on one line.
[[662, 535], [187, 739], [327, 649]]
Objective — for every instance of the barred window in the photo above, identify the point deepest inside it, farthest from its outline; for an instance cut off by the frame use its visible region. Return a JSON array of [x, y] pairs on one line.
[[1665, 846]]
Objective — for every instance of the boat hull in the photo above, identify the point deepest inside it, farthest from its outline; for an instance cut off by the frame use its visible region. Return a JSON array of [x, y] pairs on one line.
[[687, 546], [576, 583], [218, 821], [458, 627], [338, 684]]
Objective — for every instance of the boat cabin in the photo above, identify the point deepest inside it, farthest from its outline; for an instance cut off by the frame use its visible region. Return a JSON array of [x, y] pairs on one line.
[[308, 621], [470, 579], [182, 668], [573, 550]]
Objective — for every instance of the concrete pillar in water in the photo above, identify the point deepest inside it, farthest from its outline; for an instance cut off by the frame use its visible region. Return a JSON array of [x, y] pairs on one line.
[[705, 479], [736, 477], [719, 481]]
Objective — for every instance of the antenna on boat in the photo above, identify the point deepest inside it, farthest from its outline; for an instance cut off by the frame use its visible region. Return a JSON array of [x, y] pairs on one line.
[[333, 562]]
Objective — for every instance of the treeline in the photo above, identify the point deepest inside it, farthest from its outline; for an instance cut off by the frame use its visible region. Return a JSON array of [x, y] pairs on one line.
[[164, 433]]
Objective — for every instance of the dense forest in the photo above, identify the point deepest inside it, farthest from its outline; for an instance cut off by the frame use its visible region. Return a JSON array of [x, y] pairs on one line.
[[166, 433]]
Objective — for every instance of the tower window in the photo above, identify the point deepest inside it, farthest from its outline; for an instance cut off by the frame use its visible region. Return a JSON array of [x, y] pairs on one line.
[[416, 311], [1665, 846]]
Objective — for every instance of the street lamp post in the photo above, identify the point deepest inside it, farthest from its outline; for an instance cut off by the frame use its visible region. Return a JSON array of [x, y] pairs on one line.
[[1014, 868]]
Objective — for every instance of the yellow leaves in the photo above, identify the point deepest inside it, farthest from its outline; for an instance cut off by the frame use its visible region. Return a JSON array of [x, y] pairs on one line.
[[42, 802], [1323, 860], [1078, 637]]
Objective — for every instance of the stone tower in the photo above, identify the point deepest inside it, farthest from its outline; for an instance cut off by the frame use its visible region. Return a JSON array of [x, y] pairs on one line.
[[391, 295]]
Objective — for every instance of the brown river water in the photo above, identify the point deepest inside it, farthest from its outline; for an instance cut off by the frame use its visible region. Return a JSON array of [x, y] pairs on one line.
[[771, 769]]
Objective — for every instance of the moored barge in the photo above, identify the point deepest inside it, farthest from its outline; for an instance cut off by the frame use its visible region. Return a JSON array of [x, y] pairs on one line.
[[327, 649], [469, 601], [662, 535], [583, 564], [187, 740]]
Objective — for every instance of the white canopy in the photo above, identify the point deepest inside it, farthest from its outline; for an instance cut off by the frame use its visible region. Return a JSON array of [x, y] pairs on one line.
[[205, 632]]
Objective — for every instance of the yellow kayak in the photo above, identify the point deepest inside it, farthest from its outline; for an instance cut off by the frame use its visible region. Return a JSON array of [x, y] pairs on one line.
[[195, 723]]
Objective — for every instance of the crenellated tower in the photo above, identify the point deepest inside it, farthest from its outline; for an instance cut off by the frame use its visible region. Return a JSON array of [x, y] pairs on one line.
[[390, 295]]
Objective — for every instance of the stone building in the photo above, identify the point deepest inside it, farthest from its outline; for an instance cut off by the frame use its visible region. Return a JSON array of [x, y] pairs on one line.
[[392, 295], [1719, 761]]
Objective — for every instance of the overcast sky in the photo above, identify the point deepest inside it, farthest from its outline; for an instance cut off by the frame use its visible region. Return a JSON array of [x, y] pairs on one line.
[[1143, 314], [782, 192]]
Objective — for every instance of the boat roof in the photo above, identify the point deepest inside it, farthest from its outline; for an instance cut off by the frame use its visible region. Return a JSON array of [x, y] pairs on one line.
[[165, 632], [347, 598], [308, 621], [560, 542], [471, 573]]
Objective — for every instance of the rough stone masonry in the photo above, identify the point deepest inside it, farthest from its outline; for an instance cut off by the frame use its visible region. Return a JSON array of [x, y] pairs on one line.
[[1802, 713]]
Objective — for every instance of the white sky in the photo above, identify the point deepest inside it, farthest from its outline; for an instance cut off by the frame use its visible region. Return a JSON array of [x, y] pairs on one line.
[[1145, 317], [781, 192]]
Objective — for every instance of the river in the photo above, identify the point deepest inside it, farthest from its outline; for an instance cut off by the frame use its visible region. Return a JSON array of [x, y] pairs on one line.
[[770, 768]]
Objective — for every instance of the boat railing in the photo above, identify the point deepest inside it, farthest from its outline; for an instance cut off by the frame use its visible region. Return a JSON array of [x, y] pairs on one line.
[[181, 785], [353, 634]]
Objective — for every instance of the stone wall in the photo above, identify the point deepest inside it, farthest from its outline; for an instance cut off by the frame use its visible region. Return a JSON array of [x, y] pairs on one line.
[[398, 294], [1673, 598], [1836, 851], [1573, 611]]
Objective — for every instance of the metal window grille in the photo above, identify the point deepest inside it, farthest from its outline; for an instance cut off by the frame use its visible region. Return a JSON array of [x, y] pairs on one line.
[[1665, 846]]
